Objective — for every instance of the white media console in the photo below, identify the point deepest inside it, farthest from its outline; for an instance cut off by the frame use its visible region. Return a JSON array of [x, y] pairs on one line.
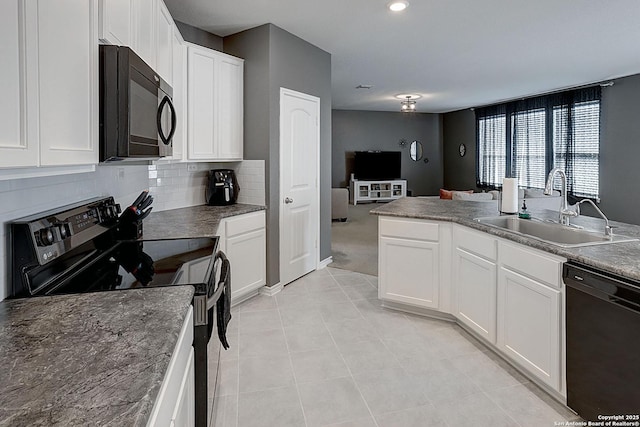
[[372, 191]]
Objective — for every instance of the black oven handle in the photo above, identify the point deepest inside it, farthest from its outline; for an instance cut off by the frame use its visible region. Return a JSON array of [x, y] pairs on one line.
[[224, 275], [166, 101]]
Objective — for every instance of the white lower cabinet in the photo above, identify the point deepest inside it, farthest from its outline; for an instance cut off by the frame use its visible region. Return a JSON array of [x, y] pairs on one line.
[[509, 295], [409, 262], [475, 293], [474, 281], [184, 414], [529, 316], [243, 239], [175, 404], [408, 271]]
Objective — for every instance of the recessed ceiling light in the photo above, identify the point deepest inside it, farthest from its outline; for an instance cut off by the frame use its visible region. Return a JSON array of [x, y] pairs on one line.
[[398, 5]]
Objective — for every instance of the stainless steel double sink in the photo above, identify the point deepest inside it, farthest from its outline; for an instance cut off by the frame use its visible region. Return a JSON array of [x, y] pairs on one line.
[[553, 233]]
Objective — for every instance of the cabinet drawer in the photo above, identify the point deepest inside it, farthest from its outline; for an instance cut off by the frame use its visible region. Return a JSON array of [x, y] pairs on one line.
[[532, 263], [243, 223], [408, 228], [475, 242]]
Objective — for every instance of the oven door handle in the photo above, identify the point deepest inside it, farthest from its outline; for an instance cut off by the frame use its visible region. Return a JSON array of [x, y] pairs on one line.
[[224, 277], [213, 300]]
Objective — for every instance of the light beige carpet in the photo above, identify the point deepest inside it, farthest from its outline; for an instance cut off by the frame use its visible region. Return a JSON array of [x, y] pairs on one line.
[[354, 243]]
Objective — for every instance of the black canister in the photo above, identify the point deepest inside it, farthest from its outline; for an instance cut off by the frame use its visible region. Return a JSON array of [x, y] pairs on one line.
[[222, 188]]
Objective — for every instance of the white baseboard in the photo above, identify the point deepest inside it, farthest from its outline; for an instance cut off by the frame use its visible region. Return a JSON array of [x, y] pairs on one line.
[[427, 312], [271, 290], [242, 298], [325, 262]]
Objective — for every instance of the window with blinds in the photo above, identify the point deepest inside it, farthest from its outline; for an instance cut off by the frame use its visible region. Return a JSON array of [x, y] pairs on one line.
[[525, 139], [528, 132], [492, 153], [585, 154]]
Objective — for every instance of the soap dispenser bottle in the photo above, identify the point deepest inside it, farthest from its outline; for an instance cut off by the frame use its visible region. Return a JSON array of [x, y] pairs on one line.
[[524, 213]]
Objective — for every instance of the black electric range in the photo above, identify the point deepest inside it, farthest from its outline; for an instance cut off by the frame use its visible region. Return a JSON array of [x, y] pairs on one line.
[[89, 247]]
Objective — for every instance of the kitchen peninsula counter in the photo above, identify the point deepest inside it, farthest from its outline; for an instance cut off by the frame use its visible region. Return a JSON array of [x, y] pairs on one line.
[[194, 221], [618, 258], [87, 359]]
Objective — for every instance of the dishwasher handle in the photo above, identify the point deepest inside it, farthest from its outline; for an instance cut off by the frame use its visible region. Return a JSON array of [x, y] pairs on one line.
[[607, 287]]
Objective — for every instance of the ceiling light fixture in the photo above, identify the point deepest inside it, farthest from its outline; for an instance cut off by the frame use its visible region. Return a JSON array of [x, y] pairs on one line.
[[408, 103], [398, 5], [408, 106]]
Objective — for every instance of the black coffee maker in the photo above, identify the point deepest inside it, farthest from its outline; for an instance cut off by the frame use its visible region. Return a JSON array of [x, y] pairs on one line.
[[222, 188]]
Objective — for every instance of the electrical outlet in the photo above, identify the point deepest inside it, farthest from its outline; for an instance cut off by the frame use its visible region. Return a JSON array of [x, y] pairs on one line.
[[192, 167], [120, 173]]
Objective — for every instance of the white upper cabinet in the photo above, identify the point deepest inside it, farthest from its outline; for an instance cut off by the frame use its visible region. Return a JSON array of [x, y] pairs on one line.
[[179, 60], [164, 43], [144, 30], [230, 108], [15, 149], [202, 95], [114, 25], [144, 25], [62, 80], [215, 105]]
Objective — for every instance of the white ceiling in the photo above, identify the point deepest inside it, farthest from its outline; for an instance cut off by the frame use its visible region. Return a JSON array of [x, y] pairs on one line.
[[455, 53]]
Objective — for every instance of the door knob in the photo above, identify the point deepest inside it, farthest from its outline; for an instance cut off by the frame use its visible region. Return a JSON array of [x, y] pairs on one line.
[[288, 200]]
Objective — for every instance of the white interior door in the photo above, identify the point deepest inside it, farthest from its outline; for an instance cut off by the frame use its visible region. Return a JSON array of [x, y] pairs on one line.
[[299, 195]]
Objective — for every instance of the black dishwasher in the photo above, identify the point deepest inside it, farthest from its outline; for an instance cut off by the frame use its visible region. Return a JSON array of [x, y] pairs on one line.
[[603, 343]]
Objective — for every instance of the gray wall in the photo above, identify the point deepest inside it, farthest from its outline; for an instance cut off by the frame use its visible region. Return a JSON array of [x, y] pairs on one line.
[[253, 46], [301, 66], [619, 150], [374, 130], [459, 128], [198, 36], [275, 58]]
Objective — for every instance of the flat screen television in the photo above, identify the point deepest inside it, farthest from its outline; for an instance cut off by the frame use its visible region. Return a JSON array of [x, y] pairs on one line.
[[377, 165]]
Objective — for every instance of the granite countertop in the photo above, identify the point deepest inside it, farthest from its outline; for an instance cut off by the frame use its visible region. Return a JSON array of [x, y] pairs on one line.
[[194, 221], [87, 359], [618, 258]]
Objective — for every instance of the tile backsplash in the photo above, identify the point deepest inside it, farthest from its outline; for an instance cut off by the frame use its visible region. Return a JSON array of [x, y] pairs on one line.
[[173, 185], [177, 185], [251, 179]]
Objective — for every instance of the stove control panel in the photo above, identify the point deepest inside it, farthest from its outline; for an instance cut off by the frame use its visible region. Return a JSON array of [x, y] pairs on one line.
[[55, 233]]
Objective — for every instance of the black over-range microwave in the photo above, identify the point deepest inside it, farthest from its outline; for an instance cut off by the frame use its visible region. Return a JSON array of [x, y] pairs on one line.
[[137, 116]]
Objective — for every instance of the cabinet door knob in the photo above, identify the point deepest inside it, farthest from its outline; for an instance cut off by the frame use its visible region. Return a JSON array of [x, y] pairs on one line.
[[288, 200]]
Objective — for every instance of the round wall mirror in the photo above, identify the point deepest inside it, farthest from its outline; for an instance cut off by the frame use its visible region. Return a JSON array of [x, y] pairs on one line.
[[416, 151]]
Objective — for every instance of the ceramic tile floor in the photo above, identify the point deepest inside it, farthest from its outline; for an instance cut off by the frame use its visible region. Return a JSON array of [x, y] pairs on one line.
[[324, 353]]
